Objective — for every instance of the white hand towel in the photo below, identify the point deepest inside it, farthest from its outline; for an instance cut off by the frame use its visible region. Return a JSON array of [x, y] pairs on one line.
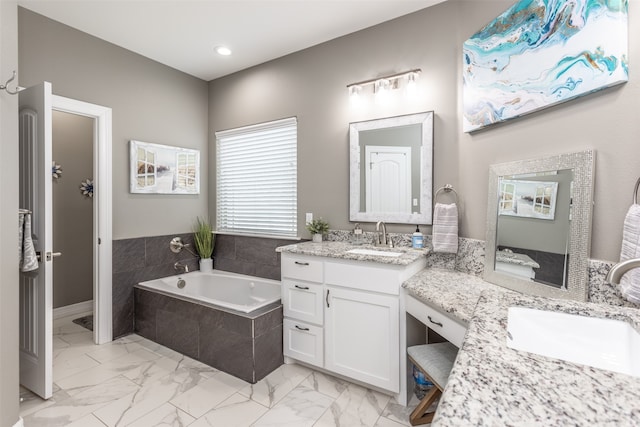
[[28, 257], [630, 282], [445, 228]]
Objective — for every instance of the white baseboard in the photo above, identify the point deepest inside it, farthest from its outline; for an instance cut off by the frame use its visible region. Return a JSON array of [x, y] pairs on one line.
[[20, 423], [73, 309]]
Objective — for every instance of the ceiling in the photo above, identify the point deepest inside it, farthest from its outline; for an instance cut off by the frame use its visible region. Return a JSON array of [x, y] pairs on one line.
[[183, 33]]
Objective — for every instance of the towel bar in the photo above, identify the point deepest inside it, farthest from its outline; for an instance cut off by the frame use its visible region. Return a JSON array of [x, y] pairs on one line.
[[448, 188]]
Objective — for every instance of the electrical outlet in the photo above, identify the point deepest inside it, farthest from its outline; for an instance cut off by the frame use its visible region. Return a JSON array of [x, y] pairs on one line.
[[308, 218]]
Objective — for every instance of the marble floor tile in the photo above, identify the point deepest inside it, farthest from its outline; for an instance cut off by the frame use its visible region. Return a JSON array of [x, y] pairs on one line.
[[269, 390], [166, 415], [300, 408], [208, 394], [109, 351], [93, 376], [152, 370], [386, 422], [325, 384], [70, 366], [398, 413], [87, 421], [356, 406], [69, 410], [236, 411], [142, 401]]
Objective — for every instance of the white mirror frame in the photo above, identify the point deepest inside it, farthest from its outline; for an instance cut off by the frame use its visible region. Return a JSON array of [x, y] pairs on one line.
[[582, 166], [426, 170]]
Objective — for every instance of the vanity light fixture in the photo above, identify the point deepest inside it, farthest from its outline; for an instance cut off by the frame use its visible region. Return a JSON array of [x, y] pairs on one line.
[[223, 50], [385, 83]]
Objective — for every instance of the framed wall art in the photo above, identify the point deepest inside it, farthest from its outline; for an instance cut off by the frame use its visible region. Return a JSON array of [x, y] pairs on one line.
[[163, 169]]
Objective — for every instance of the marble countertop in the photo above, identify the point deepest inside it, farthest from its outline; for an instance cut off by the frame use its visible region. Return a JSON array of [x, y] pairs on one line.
[[453, 292], [516, 259], [492, 384], [340, 250]]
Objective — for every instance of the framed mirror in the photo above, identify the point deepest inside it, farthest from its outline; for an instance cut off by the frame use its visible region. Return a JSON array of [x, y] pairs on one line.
[[539, 225], [391, 169], [163, 169]]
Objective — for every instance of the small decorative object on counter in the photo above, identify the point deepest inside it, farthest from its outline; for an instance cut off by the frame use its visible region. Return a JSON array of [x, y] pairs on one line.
[[317, 228], [417, 239], [204, 240], [56, 170]]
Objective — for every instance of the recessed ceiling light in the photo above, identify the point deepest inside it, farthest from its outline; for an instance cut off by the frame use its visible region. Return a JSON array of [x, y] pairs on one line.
[[222, 50]]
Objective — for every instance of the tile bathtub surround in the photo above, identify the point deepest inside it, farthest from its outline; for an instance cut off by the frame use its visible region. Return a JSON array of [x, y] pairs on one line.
[[254, 256], [136, 260], [169, 389], [246, 346]]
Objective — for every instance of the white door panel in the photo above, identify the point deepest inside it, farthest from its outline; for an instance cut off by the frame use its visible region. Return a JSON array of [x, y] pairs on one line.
[[36, 299]]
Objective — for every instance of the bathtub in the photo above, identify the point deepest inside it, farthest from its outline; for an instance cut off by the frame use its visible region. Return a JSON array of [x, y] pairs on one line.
[[219, 288], [226, 320]]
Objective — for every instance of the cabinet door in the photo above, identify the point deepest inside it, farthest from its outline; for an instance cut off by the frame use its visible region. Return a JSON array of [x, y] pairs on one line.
[[303, 342], [362, 336], [302, 301]]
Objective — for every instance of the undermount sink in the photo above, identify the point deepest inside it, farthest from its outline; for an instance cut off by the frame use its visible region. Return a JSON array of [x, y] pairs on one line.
[[608, 344], [374, 252]]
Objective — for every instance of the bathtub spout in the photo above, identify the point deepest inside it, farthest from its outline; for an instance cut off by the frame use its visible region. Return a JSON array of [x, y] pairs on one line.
[[180, 266]]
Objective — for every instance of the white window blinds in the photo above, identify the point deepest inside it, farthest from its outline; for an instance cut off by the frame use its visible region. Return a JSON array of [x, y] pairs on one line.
[[256, 186]]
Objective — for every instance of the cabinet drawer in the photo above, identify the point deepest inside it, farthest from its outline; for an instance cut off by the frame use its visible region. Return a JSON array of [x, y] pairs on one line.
[[303, 342], [302, 301], [302, 268], [442, 324], [369, 277]]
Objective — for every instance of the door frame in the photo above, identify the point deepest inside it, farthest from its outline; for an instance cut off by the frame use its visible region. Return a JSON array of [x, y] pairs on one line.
[[102, 213]]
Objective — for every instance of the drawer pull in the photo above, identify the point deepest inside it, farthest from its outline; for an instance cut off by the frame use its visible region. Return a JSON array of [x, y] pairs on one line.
[[435, 323], [302, 329], [306, 288], [327, 298], [301, 263]]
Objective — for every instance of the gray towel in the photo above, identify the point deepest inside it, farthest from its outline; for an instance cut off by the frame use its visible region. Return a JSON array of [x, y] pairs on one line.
[[28, 257], [630, 282], [445, 228]]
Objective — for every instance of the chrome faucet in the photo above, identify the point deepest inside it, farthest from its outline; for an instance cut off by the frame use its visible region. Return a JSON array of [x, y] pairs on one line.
[[619, 269], [180, 266], [382, 239]]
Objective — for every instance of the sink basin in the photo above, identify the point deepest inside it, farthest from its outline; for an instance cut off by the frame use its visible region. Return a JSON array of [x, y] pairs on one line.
[[374, 252], [601, 343]]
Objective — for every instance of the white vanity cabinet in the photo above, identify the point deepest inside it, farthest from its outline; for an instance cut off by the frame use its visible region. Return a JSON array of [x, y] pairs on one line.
[[344, 316]]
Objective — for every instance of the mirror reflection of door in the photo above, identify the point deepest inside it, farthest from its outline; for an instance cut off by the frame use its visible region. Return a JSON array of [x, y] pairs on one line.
[[388, 179]]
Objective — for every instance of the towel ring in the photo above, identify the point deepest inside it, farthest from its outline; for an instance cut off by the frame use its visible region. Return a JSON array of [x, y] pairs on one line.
[[448, 188], [635, 192]]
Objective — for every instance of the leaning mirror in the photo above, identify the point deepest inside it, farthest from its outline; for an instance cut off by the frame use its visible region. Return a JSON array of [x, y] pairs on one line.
[[539, 225], [391, 169]]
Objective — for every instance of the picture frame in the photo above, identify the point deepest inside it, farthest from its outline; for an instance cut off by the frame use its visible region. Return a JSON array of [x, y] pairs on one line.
[[163, 169]]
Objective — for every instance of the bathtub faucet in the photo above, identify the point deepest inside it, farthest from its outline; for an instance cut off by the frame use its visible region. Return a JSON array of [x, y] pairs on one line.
[[180, 266]]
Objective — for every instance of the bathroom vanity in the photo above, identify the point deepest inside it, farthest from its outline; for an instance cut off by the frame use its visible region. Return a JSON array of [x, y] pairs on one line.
[[344, 311]]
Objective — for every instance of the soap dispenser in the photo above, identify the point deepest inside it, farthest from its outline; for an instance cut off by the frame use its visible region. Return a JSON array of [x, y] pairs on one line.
[[417, 239], [357, 235]]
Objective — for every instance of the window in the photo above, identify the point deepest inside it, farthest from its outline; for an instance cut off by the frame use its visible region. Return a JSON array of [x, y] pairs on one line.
[[256, 185], [146, 168]]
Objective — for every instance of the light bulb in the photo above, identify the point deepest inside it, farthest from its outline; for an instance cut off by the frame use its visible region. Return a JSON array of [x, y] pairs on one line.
[[223, 50]]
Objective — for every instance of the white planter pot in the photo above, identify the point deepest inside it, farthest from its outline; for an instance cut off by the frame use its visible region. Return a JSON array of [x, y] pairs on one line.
[[206, 265], [316, 238]]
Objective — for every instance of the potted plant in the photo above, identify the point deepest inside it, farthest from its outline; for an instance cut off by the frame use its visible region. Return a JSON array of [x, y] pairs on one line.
[[204, 239], [317, 228]]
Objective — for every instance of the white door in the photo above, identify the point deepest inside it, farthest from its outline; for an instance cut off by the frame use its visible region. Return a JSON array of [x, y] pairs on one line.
[[362, 337], [388, 179], [36, 297]]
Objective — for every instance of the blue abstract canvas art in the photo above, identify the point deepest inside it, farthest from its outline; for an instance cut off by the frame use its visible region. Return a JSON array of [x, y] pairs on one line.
[[542, 52]]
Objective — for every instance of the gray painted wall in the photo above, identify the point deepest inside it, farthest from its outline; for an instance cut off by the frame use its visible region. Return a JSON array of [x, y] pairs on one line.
[[311, 85], [8, 219], [150, 102], [72, 211]]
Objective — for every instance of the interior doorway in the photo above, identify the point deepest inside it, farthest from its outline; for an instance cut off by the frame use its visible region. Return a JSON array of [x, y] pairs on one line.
[[101, 210]]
